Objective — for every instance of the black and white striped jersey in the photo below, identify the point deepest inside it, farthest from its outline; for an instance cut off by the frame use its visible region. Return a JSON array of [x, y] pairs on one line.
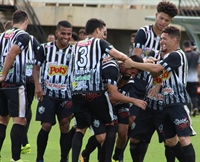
[[147, 40], [55, 67], [174, 78], [87, 66], [31, 51], [155, 102], [11, 37]]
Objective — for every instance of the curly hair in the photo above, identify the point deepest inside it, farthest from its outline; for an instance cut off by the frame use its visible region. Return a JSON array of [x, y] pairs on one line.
[[167, 8]]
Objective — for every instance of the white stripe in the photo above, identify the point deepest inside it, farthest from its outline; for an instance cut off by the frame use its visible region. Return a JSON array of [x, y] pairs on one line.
[[22, 101]]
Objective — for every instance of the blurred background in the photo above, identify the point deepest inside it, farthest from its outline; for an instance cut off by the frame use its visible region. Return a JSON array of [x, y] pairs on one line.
[[122, 17]]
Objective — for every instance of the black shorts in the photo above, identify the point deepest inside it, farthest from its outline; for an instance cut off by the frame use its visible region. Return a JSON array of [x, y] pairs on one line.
[[30, 90], [122, 112], [138, 91], [13, 100], [48, 108], [146, 122], [93, 109], [177, 121]]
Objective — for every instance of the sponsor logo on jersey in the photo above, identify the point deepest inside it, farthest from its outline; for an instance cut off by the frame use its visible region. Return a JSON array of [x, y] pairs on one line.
[[58, 70], [9, 34], [84, 43]]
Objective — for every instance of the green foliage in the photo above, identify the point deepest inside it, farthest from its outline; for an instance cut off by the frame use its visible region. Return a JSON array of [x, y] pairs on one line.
[[155, 151]]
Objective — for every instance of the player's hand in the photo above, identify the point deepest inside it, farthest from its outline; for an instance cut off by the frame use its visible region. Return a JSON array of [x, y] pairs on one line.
[[39, 92], [2, 79], [150, 60], [153, 92], [129, 63], [140, 103]]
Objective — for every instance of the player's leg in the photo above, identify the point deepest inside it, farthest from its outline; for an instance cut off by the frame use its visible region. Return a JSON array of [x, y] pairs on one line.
[[46, 115], [16, 97], [64, 113]]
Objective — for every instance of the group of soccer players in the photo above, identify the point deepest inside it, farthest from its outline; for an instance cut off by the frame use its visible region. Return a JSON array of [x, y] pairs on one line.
[[93, 82]]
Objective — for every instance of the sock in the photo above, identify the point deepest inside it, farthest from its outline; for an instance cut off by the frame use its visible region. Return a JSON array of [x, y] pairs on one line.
[[178, 152], [90, 147], [169, 154], [99, 152], [117, 153], [135, 151], [2, 134], [76, 146], [121, 156], [143, 149], [64, 146], [72, 131], [42, 139], [109, 142], [25, 132], [189, 153], [16, 136]]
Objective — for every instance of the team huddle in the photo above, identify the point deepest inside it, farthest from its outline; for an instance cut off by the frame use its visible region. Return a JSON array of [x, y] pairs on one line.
[[120, 99]]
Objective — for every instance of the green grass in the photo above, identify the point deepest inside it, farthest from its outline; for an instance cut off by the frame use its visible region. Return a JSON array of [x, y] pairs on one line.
[[155, 151]]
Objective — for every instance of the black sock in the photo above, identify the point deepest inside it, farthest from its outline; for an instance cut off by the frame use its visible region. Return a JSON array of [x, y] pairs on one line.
[[189, 153], [117, 153], [109, 142], [76, 146], [90, 147], [64, 146], [25, 132], [99, 152], [121, 156], [2, 134], [143, 149], [135, 151], [42, 139], [178, 152], [72, 131], [169, 154], [16, 137]]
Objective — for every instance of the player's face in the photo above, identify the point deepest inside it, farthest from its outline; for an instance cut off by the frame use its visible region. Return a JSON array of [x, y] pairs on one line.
[[63, 36], [100, 33], [166, 43], [105, 33], [132, 72], [162, 20]]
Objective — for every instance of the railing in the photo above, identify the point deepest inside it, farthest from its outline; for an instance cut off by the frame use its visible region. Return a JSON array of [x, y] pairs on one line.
[[35, 28]]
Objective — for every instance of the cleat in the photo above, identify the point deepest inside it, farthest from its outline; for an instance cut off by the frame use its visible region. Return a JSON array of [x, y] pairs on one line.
[[114, 160], [195, 112], [84, 159], [20, 160], [26, 149]]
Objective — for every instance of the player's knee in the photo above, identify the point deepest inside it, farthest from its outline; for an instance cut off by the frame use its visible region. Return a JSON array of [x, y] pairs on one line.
[[46, 126], [184, 141], [101, 138], [133, 140]]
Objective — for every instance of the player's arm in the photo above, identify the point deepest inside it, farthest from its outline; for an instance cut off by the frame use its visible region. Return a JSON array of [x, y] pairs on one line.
[[20, 44], [139, 42], [36, 73], [107, 48]]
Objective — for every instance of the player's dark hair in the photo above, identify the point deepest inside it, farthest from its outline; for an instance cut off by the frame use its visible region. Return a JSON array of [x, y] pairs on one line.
[[75, 36], [173, 32], [64, 23], [92, 24], [187, 43], [167, 8], [19, 16], [137, 58]]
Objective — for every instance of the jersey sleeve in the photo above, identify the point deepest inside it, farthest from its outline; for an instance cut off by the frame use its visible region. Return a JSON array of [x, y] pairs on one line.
[[105, 46], [36, 45], [22, 40], [140, 39], [40, 57], [171, 62], [110, 75]]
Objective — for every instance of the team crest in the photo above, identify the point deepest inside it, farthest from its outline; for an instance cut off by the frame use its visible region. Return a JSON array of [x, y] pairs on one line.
[[41, 109], [96, 123]]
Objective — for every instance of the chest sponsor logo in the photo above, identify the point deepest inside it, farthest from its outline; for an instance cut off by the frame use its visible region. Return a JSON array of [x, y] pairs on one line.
[[58, 70]]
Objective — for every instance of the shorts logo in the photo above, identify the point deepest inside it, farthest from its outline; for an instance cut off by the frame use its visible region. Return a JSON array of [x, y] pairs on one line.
[[133, 126], [96, 123], [41, 109]]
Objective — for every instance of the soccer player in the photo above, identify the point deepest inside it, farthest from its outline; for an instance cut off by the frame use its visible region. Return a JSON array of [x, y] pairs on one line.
[[146, 40], [31, 51], [13, 43], [88, 89], [175, 97], [53, 92]]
